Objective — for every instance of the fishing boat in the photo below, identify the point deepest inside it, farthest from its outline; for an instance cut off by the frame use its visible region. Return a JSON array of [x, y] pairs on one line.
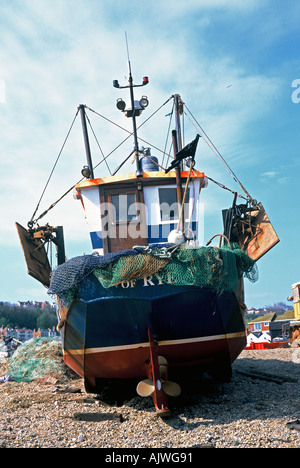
[[149, 303]]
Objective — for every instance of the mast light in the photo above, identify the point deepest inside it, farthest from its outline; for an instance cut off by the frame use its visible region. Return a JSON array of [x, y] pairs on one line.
[[121, 104], [86, 172], [144, 102]]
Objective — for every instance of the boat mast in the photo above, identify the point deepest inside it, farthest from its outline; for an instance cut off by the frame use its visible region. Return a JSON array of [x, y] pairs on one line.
[[178, 111], [134, 111], [139, 172], [177, 146], [86, 141]]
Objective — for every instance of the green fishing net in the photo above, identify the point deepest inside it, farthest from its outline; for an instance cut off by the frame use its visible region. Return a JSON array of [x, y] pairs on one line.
[[217, 268], [37, 358]]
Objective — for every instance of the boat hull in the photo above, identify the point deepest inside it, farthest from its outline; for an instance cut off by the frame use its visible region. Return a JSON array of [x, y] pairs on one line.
[[107, 337]]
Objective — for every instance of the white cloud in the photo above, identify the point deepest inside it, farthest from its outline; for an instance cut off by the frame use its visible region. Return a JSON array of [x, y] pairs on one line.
[[270, 174], [280, 178], [2, 92], [56, 55], [53, 65], [55, 58]]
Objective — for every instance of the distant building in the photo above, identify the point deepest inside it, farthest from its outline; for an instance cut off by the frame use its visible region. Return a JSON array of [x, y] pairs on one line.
[[261, 311], [276, 325], [258, 337], [36, 304], [24, 304], [25, 334], [20, 334], [50, 332], [261, 324]]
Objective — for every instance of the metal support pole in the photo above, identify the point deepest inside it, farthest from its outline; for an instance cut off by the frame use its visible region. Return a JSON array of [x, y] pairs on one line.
[[178, 180], [86, 140], [139, 172], [60, 245], [177, 101]]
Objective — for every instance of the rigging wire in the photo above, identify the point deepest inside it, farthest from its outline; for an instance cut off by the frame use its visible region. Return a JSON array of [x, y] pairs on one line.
[[218, 154], [128, 131], [34, 221], [51, 173], [129, 134], [100, 149], [167, 137], [195, 123], [226, 188], [55, 203]]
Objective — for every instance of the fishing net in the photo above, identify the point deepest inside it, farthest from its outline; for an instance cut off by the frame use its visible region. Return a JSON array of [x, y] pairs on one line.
[[217, 268], [37, 358], [130, 268]]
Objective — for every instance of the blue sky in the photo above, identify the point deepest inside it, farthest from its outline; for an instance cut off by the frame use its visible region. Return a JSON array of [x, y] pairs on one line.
[[233, 62]]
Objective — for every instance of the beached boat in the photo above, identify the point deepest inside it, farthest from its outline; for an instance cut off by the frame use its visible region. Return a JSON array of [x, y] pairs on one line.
[[149, 303]]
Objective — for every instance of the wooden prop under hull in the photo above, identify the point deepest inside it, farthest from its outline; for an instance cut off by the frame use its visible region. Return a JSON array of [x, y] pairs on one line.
[[157, 383]]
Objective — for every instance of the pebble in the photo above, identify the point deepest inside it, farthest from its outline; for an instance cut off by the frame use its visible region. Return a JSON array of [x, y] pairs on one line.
[[244, 413]]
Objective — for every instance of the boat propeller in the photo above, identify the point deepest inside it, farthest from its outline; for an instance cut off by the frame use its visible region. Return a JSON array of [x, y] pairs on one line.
[[146, 387], [157, 383]]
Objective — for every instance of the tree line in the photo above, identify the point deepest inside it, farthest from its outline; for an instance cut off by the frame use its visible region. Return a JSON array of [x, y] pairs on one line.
[[27, 317]]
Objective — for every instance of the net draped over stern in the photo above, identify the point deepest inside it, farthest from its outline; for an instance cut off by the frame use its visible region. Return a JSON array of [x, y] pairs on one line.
[[211, 267]]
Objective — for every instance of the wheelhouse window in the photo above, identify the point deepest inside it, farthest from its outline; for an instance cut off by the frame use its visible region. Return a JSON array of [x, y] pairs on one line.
[[169, 205], [123, 207]]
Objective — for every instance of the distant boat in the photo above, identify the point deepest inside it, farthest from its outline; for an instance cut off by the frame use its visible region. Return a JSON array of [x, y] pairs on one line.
[[150, 303]]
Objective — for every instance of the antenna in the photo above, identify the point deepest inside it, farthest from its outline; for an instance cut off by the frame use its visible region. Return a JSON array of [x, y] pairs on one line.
[[134, 111], [129, 65]]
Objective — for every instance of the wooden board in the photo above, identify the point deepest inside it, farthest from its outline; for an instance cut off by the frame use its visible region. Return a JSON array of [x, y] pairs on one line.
[[35, 256], [265, 236]]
